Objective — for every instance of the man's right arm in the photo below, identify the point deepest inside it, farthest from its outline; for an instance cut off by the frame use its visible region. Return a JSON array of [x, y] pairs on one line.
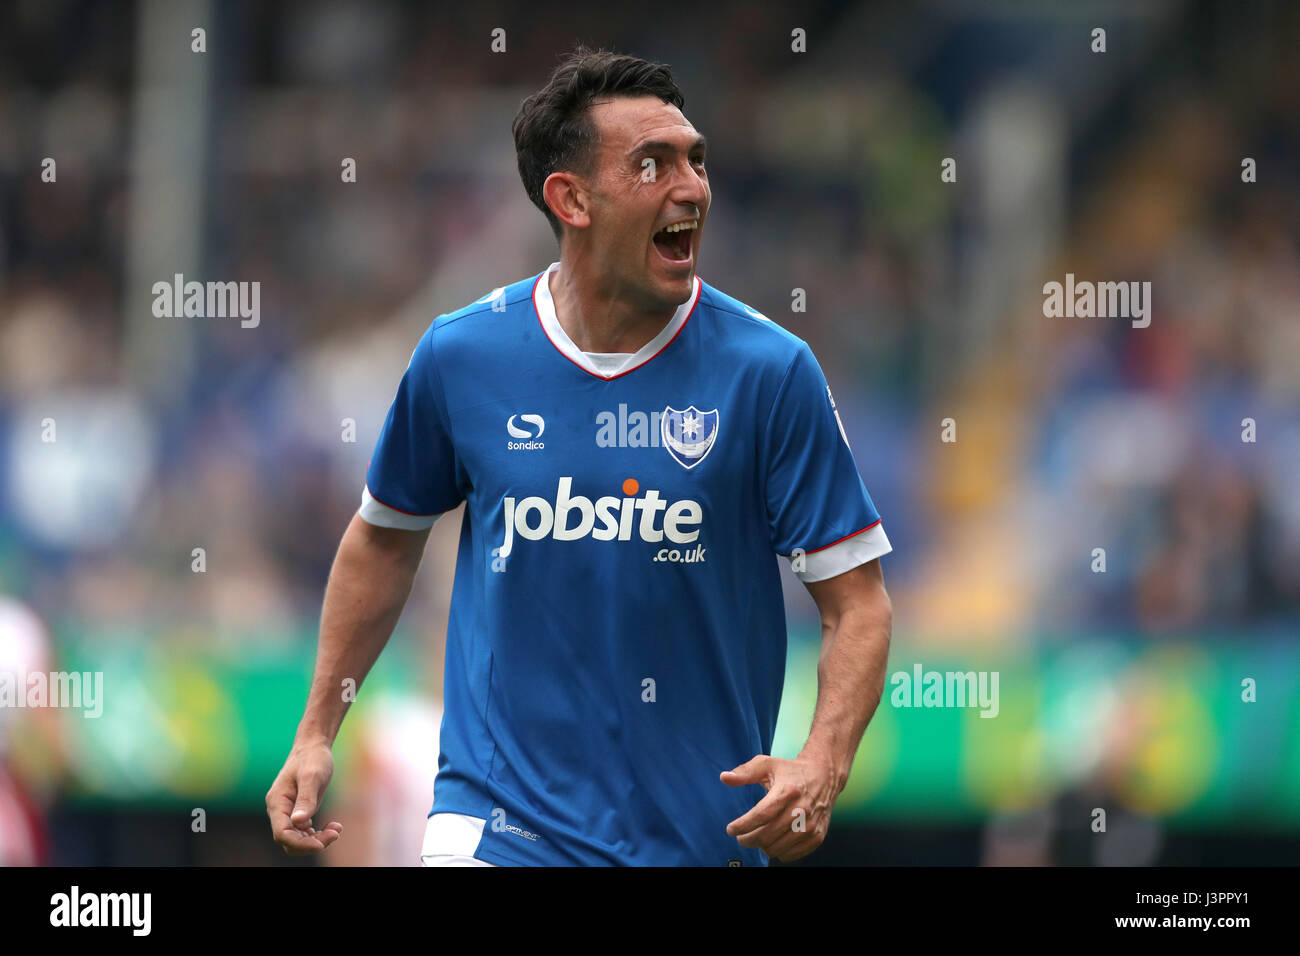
[[368, 587]]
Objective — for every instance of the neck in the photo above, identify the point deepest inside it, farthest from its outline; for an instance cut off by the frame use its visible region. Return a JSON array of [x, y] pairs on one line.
[[600, 317]]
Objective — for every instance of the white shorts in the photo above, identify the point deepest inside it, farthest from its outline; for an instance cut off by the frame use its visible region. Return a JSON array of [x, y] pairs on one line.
[[450, 839]]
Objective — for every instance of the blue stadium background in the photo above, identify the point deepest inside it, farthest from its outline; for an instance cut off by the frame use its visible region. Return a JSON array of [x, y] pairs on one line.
[[1120, 690]]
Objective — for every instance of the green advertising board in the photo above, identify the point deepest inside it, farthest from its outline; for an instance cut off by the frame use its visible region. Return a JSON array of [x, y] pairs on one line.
[[1198, 734]]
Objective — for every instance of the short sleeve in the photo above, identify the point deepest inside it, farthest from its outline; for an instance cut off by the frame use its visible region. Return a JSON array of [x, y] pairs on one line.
[[819, 511], [412, 475]]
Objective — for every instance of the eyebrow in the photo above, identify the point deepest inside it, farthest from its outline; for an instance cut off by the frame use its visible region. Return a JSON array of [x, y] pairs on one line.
[[661, 146]]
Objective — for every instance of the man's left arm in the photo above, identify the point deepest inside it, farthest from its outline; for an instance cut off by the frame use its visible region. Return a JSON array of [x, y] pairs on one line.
[[792, 819]]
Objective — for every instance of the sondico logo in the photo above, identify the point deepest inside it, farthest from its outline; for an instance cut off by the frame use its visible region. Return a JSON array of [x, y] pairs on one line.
[[515, 431], [535, 518]]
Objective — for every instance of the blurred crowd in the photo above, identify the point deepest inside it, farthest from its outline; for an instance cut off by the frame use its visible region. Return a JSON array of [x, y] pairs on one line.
[[1072, 435]]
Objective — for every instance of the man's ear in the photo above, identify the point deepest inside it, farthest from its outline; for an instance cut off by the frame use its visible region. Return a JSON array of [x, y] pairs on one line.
[[566, 195]]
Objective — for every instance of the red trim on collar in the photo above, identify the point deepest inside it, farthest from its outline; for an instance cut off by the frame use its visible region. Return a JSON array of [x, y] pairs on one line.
[[699, 291]]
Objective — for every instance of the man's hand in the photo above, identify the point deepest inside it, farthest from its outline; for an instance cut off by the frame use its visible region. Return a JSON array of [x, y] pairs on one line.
[[792, 820], [368, 585], [295, 797]]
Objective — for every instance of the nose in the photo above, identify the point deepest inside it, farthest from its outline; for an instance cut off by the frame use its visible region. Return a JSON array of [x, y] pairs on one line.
[[693, 191]]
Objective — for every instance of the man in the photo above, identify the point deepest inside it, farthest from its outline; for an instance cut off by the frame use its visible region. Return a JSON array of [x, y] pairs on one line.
[[634, 447]]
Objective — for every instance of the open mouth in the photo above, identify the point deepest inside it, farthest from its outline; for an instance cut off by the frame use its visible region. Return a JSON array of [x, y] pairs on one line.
[[674, 242]]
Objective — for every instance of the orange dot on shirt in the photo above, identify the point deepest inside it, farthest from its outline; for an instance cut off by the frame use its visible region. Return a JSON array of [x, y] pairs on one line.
[[631, 487]]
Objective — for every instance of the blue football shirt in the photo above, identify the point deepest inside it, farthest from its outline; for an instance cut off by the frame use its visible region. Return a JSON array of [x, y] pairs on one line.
[[617, 631]]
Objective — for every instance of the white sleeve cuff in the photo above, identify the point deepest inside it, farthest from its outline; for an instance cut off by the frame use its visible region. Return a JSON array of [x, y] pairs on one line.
[[376, 512], [866, 545]]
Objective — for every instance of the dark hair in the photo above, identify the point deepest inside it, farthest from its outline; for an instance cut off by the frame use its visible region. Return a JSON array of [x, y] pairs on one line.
[[553, 128]]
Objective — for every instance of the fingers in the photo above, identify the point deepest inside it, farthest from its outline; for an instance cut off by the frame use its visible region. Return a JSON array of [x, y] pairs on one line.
[[788, 837], [278, 804], [291, 825], [298, 842], [310, 840], [786, 824], [793, 844], [332, 832], [763, 813], [766, 835], [755, 770], [310, 786]]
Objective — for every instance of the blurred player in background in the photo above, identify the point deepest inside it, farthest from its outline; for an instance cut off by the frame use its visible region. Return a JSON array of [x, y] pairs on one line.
[[31, 755], [634, 448]]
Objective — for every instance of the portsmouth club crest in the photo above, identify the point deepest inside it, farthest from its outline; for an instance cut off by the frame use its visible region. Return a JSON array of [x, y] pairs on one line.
[[688, 435]]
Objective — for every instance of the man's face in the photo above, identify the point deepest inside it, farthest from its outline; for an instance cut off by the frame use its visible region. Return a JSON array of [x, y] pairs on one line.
[[649, 175]]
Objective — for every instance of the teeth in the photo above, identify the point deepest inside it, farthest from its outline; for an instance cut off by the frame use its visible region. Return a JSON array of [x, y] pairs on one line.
[[680, 226]]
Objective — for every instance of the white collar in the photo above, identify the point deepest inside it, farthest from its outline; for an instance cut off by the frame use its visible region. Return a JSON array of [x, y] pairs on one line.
[[545, 306]]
